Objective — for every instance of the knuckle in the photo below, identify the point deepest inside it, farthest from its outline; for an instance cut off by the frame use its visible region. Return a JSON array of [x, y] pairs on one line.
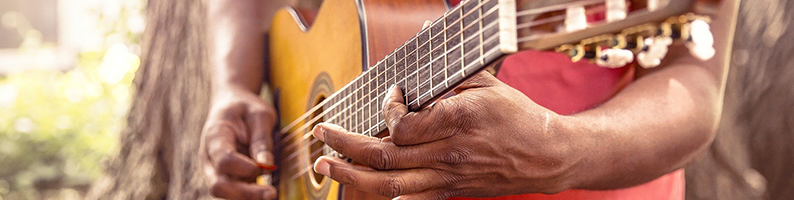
[[392, 187], [224, 161], [337, 143], [216, 189], [399, 134], [346, 177], [378, 157], [454, 156]]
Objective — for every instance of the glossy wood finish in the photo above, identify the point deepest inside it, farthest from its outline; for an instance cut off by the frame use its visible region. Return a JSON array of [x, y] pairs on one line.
[[390, 23], [299, 54], [332, 47]]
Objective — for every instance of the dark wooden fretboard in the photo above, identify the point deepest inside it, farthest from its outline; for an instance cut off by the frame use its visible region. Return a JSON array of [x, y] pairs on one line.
[[451, 49]]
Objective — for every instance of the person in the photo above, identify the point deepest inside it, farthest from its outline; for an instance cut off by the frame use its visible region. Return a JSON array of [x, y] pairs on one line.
[[542, 128]]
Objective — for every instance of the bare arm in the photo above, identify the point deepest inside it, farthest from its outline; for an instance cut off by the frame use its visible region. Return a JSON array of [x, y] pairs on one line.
[[237, 136], [237, 41], [664, 120]]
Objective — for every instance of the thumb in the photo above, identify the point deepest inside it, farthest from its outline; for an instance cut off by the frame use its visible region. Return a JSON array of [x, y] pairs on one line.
[[479, 80]]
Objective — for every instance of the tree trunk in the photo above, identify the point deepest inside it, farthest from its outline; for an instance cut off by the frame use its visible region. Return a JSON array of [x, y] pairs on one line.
[[158, 158], [752, 155]]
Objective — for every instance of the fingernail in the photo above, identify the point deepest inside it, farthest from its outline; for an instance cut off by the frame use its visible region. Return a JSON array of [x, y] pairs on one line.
[[322, 166], [387, 96], [319, 132], [263, 158]]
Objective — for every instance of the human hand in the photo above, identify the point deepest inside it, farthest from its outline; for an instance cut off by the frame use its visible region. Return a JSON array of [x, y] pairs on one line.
[[488, 140], [239, 127]]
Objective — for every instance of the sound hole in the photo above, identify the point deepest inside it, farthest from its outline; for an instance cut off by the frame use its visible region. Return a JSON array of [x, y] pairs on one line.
[[316, 148]]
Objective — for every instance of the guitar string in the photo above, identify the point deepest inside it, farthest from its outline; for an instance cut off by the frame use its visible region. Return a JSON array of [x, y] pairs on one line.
[[379, 122], [346, 117], [557, 18], [557, 7], [413, 73], [306, 115], [349, 97], [369, 103], [313, 141], [307, 168]]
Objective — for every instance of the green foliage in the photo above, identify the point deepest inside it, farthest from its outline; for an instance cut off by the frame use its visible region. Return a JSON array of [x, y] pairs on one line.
[[57, 128]]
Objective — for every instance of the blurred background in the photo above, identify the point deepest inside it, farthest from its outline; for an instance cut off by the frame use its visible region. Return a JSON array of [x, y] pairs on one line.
[[105, 99], [66, 68]]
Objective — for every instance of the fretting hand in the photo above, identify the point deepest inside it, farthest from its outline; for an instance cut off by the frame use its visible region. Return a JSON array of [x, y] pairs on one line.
[[488, 140]]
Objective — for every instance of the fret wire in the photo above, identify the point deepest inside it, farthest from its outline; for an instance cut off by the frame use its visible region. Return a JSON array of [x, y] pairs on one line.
[[481, 57], [480, 23], [447, 52], [348, 117], [455, 10], [370, 129], [461, 44], [342, 99], [462, 57], [313, 141]]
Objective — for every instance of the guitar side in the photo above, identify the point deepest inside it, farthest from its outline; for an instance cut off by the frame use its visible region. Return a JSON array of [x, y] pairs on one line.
[[310, 62]]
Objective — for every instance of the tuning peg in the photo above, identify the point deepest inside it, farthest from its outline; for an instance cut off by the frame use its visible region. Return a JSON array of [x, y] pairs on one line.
[[616, 10], [575, 18], [701, 40], [575, 52], [614, 58], [655, 49]]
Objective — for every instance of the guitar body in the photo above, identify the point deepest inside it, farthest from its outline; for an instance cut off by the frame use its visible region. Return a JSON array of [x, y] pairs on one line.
[[314, 54]]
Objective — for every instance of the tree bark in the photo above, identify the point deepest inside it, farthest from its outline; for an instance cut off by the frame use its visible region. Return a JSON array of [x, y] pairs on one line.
[[158, 157], [752, 155]]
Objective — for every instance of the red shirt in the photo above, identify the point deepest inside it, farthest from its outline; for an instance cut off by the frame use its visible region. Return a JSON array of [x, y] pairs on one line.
[[553, 81]]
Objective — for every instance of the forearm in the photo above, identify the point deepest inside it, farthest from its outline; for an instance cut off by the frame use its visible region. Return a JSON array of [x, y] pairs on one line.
[[663, 121], [236, 40], [658, 124]]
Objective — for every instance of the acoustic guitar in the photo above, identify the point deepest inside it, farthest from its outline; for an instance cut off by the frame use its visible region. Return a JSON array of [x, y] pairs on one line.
[[335, 65]]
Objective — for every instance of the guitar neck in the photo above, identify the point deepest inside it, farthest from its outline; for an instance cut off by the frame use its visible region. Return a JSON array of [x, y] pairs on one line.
[[454, 47], [468, 38]]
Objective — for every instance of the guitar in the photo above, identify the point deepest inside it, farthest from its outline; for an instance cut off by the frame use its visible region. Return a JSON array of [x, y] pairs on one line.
[[336, 65]]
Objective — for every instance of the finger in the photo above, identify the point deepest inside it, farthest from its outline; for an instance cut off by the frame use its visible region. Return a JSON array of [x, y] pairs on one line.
[[224, 156], [426, 24], [226, 188], [479, 80], [437, 194], [387, 183], [260, 122], [411, 128], [384, 155]]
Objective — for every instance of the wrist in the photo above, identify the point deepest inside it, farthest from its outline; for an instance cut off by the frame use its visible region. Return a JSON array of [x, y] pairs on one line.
[[585, 151]]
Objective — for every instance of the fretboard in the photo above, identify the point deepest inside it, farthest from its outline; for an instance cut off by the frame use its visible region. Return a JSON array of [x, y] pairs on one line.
[[451, 49]]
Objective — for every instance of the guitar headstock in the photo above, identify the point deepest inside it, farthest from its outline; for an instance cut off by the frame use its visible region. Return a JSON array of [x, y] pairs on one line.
[[609, 32]]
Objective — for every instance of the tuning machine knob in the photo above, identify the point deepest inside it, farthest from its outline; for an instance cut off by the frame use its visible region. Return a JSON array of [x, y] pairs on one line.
[[614, 58], [701, 40], [655, 50]]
